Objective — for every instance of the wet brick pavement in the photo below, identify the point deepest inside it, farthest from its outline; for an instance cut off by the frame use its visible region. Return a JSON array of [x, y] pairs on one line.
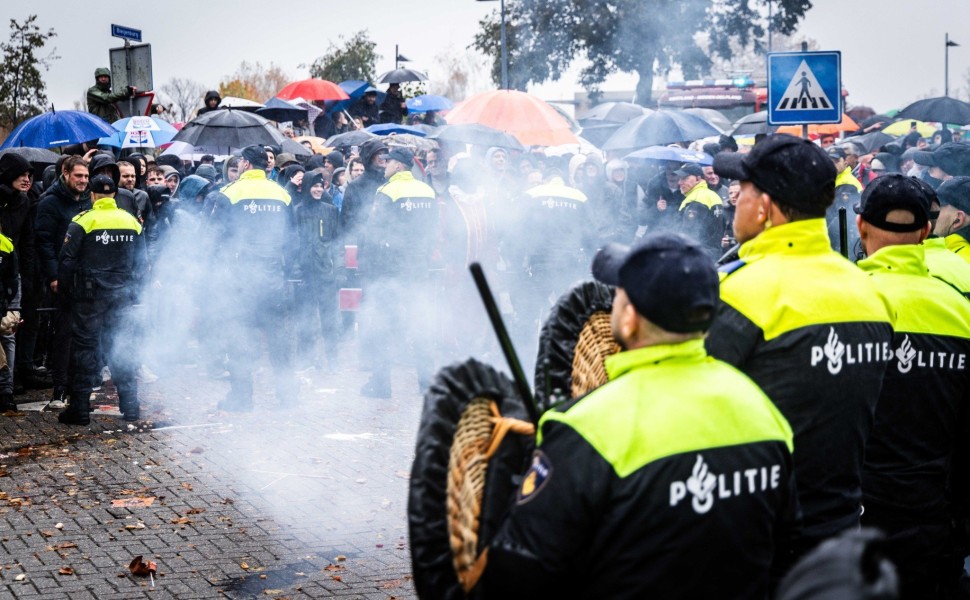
[[305, 503]]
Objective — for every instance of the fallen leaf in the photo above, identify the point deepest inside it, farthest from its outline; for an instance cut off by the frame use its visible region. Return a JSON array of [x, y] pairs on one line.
[[20, 577], [228, 501], [187, 486], [196, 450], [262, 576], [138, 525], [138, 502], [63, 546], [272, 592], [244, 566], [341, 557], [66, 571], [59, 526], [333, 567], [388, 585], [181, 521], [336, 578], [141, 568], [195, 511], [4, 473], [47, 533]]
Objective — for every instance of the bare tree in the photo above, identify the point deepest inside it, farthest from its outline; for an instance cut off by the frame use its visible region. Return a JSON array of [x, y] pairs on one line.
[[465, 73], [185, 96], [253, 81]]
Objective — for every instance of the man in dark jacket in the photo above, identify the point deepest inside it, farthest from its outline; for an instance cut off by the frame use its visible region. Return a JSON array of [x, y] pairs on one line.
[[15, 181], [98, 266], [393, 108], [101, 99], [359, 197], [366, 109], [61, 203], [212, 100], [317, 222], [103, 163]]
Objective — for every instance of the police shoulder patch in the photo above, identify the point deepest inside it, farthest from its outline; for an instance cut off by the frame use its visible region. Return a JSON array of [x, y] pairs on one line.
[[539, 473]]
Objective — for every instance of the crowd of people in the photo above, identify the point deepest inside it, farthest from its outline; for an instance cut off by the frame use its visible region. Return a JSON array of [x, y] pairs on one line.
[[856, 376]]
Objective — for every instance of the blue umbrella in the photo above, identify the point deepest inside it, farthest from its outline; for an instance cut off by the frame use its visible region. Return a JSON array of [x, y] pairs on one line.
[[427, 103], [58, 128], [389, 128], [660, 128], [355, 89], [672, 154]]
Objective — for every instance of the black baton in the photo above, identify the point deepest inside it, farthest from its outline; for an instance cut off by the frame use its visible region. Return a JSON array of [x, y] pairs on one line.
[[843, 233], [505, 341]]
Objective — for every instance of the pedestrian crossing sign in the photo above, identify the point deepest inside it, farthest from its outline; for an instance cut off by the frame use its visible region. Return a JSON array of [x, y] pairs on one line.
[[804, 88]]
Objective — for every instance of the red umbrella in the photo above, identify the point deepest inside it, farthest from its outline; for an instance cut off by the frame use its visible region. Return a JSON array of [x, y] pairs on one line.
[[529, 119], [313, 89]]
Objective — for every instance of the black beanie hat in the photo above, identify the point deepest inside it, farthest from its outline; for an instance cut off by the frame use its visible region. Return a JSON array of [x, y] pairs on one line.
[[13, 166]]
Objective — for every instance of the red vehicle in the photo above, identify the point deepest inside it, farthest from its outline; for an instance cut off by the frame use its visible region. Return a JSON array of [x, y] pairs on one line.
[[735, 98]]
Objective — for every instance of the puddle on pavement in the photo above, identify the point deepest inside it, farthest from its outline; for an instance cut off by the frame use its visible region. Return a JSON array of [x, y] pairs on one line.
[[255, 583]]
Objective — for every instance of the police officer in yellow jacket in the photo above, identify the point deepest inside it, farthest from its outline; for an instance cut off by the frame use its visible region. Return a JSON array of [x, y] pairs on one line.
[[701, 211], [922, 409], [953, 224], [943, 263], [679, 463], [253, 223], [803, 323], [398, 246], [99, 266]]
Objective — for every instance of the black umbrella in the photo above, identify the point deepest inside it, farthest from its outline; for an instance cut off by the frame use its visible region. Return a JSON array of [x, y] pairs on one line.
[[479, 135], [753, 124], [228, 128], [599, 133], [612, 112], [280, 110], [870, 141], [659, 128], [34, 155], [402, 75], [294, 148], [869, 121], [939, 110], [351, 138]]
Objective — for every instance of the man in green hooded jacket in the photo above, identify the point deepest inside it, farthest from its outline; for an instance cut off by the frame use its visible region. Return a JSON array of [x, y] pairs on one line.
[[101, 99]]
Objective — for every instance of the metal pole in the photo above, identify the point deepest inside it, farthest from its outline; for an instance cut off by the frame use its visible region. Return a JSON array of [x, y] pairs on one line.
[[769, 25], [505, 51], [946, 65], [396, 54], [131, 101]]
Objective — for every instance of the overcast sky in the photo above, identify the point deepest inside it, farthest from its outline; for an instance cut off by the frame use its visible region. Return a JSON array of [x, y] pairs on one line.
[[892, 50]]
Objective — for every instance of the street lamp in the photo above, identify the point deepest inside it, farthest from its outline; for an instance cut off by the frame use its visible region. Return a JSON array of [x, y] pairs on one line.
[[946, 65], [505, 51]]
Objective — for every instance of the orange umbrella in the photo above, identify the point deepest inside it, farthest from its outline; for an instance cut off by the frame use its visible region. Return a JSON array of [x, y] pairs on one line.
[[313, 89], [529, 119], [814, 131]]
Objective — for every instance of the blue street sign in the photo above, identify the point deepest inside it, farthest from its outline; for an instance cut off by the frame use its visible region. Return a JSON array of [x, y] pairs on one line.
[[804, 88], [126, 33]]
